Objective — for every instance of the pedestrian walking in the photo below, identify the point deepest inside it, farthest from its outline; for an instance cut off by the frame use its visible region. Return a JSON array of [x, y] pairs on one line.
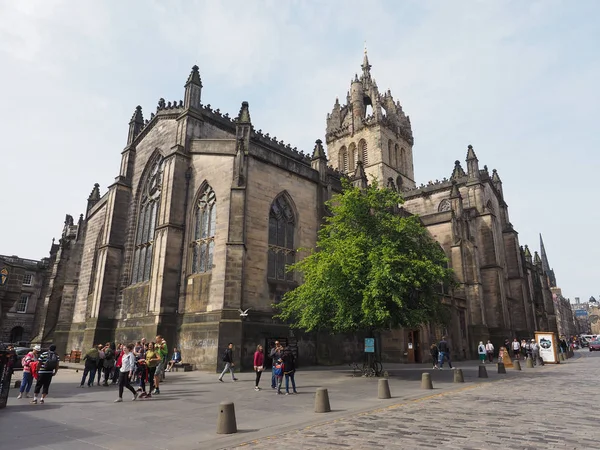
[[161, 349], [228, 360], [278, 369], [289, 370], [444, 349], [100, 368], [482, 352], [47, 367], [259, 365], [90, 361], [516, 347], [126, 371], [435, 353], [489, 351], [27, 380], [109, 361]]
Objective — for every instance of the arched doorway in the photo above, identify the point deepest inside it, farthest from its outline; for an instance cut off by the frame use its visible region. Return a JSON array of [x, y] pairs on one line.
[[16, 334]]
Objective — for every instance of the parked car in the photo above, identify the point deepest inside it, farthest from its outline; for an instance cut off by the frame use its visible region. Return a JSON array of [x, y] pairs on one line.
[[594, 345]]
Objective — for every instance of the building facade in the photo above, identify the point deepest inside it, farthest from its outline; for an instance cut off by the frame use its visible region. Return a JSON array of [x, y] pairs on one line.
[[206, 212], [23, 284]]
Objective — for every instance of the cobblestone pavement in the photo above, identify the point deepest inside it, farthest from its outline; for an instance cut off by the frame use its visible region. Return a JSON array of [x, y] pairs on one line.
[[557, 407]]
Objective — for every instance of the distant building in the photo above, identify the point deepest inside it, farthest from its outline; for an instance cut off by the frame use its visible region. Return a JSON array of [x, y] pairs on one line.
[[23, 283]]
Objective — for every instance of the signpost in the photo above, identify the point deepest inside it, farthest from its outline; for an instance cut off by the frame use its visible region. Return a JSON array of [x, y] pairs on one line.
[[548, 346]]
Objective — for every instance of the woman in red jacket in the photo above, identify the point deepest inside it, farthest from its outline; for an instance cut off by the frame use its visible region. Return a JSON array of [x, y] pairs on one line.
[[259, 360]]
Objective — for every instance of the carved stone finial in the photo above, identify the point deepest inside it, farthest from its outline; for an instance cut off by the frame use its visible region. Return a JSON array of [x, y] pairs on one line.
[[458, 171], [161, 104], [194, 77], [244, 114], [319, 151]]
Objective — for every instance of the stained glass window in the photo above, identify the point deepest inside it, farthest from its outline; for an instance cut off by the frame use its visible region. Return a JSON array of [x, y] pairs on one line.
[[146, 224], [281, 240]]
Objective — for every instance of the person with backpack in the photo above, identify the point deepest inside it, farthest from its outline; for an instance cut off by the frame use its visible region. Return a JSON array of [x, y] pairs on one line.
[[47, 367], [90, 366], [444, 349], [27, 380], [275, 354], [289, 370], [100, 367], [228, 360], [482, 352]]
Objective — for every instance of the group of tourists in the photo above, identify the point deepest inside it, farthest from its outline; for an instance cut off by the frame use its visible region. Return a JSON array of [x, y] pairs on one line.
[[141, 363], [283, 366]]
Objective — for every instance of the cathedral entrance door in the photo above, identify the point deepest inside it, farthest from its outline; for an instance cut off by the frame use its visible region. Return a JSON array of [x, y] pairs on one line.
[[414, 346]]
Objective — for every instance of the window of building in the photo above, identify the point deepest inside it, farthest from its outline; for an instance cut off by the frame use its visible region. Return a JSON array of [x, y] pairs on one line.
[[28, 280], [403, 161], [363, 152], [281, 240], [22, 303], [343, 163], [391, 152], [204, 231], [146, 225], [396, 158], [353, 156]]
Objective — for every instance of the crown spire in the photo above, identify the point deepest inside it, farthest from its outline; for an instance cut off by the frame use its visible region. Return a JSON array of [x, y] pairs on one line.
[[193, 89], [366, 67]]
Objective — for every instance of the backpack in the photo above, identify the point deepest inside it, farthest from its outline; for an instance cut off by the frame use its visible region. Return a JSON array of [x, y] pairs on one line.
[[278, 369], [52, 362], [481, 349], [225, 357]]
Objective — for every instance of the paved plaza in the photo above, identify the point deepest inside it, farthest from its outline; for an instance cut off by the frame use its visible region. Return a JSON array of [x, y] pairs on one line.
[[549, 407]]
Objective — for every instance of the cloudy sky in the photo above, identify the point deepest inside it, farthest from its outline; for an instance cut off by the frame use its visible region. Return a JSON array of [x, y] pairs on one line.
[[519, 80]]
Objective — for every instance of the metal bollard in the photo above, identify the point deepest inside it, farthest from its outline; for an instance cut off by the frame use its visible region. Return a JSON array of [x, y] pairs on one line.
[[383, 389], [322, 401], [226, 421]]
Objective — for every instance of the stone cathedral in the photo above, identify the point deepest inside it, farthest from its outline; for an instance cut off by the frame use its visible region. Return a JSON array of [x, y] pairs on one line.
[[206, 211]]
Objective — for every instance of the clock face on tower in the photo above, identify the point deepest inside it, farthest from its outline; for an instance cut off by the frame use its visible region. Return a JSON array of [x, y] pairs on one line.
[[445, 206]]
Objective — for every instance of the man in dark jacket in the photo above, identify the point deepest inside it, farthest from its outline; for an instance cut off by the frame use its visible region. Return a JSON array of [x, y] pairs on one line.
[[444, 349], [228, 360]]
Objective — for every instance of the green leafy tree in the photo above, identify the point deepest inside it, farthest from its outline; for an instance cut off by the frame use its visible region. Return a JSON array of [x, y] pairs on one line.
[[374, 269]]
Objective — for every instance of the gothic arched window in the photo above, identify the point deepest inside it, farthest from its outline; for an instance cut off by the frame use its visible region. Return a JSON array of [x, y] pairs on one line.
[[403, 160], [146, 224], [343, 163], [363, 152], [390, 152], [204, 231], [396, 157], [282, 225], [445, 205], [353, 156]]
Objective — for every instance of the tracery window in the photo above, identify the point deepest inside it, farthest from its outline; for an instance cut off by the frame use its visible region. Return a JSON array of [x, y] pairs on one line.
[[396, 158], [282, 225], [146, 224], [353, 156], [445, 205], [204, 231], [403, 161]]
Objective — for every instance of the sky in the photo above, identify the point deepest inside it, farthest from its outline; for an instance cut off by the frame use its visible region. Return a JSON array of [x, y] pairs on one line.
[[519, 80]]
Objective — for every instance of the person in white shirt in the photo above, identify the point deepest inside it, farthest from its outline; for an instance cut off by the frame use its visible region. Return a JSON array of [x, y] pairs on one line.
[[516, 348], [126, 371], [489, 351]]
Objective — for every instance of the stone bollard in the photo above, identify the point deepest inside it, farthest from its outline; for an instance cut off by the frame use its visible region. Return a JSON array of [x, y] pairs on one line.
[[482, 371], [517, 364], [226, 422], [17, 384], [426, 381], [458, 376], [383, 389], [529, 363], [322, 401], [501, 368]]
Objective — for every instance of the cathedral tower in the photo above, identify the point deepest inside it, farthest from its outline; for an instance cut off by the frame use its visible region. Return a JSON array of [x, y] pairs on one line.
[[373, 129]]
